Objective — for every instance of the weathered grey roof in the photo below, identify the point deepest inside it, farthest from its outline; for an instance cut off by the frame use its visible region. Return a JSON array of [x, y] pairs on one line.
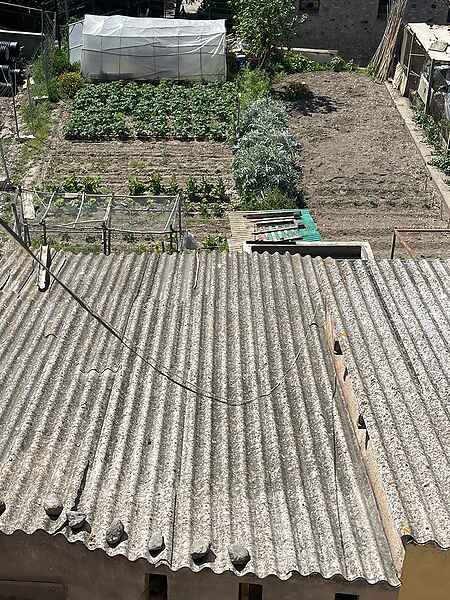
[[83, 417], [394, 323]]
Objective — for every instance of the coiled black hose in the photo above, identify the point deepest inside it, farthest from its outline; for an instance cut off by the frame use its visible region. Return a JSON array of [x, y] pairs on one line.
[[9, 52]]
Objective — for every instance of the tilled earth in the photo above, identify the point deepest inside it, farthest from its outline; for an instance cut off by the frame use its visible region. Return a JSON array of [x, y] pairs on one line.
[[363, 174]]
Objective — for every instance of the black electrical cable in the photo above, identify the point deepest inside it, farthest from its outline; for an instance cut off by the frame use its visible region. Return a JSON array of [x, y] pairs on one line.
[[188, 386]]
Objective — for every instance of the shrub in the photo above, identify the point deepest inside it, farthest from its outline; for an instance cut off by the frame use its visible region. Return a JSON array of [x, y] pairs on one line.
[[60, 62], [215, 241], [265, 25], [53, 90], [253, 84], [262, 115], [269, 200], [264, 165], [74, 184], [136, 187], [265, 155], [69, 84]]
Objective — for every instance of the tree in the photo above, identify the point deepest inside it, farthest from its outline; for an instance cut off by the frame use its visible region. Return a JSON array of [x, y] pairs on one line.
[[265, 24]]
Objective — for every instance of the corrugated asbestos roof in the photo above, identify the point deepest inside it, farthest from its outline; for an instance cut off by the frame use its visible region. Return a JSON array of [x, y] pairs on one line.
[[83, 417], [394, 324]]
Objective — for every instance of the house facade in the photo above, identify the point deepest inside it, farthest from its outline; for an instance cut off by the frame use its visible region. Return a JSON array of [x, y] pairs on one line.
[[355, 28]]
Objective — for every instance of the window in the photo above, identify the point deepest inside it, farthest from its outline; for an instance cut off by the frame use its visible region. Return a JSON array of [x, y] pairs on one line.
[[383, 9], [309, 6], [345, 597], [250, 591], [156, 587]]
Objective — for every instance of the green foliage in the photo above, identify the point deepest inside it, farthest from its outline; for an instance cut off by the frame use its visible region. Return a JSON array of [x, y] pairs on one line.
[[265, 156], [37, 118], [53, 90], [46, 70], [74, 184], [253, 84], [262, 115], [199, 195], [97, 123], [274, 199], [215, 241], [156, 186], [137, 187], [432, 131], [265, 25], [289, 62], [60, 62], [69, 84], [167, 110]]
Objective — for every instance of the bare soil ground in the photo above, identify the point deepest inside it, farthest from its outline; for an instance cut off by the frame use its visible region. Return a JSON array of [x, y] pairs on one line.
[[363, 174], [116, 161]]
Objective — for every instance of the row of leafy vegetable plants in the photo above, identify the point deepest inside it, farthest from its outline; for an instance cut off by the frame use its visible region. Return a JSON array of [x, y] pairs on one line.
[[165, 110], [200, 195]]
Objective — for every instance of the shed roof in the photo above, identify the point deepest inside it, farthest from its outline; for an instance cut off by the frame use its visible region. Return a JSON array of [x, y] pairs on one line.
[[394, 323], [83, 417], [428, 35]]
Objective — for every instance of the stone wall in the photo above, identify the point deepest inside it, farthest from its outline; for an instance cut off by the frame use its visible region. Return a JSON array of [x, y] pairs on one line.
[[353, 26], [91, 575]]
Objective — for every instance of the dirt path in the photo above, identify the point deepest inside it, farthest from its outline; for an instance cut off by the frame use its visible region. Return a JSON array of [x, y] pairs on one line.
[[363, 175]]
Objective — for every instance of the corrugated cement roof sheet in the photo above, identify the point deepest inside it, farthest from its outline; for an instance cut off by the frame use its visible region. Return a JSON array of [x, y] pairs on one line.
[[429, 35], [83, 417], [393, 322]]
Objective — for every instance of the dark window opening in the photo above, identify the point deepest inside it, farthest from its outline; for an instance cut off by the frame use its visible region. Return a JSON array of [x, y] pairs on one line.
[[383, 10], [448, 16], [156, 587], [309, 6], [346, 597], [250, 591], [338, 352]]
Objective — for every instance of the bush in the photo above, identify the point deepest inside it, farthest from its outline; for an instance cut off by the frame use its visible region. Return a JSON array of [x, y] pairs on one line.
[[253, 84], [53, 90], [289, 62], [73, 184], [264, 164], [69, 84], [136, 187], [269, 200], [262, 115], [215, 241], [265, 155]]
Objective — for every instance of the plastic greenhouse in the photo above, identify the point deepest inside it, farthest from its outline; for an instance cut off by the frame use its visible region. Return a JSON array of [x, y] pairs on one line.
[[119, 47]]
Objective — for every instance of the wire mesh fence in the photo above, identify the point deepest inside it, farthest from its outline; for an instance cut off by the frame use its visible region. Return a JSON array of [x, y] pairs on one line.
[[105, 220]]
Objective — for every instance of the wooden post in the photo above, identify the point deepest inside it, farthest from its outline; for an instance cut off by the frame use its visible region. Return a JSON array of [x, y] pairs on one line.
[[394, 239], [430, 88]]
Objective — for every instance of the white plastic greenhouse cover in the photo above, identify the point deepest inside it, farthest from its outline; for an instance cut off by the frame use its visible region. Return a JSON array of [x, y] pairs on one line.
[[120, 47]]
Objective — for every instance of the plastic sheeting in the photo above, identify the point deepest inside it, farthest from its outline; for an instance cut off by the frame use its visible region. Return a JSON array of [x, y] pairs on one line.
[[120, 47], [75, 41]]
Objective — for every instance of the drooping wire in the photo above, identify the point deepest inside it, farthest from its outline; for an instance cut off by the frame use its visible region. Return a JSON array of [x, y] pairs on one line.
[[186, 385]]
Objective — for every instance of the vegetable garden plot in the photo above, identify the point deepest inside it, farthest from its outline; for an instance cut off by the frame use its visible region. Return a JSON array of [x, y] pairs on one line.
[[102, 219], [121, 110]]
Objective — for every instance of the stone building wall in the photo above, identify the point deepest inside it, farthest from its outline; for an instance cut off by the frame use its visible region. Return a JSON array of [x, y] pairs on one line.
[[29, 562], [354, 28]]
